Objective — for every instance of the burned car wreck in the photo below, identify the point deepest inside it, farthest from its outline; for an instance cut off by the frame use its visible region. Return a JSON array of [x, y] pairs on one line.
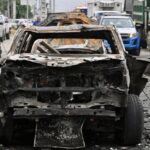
[[64, 87], [59, 19]]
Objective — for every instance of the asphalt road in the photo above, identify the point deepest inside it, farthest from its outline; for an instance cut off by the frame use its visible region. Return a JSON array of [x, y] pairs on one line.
[[145, 97]]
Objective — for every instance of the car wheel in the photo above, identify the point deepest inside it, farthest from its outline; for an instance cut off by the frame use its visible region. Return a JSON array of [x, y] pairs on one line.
[[133, 122], [7, 36], [8, 131], [1, 132], [1, 39], [4, 37]]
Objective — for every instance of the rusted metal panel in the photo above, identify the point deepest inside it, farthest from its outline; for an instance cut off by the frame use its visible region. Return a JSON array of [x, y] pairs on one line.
[[65, 61], [69, 28], [76, 31], [48, 112], [64, 132], [139, 73], [65, 18]]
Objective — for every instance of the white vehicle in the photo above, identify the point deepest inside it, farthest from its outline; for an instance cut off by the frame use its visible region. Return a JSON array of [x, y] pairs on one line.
[[103, 5], [7, 28], [127, 30], [4, 28], [99, 14]]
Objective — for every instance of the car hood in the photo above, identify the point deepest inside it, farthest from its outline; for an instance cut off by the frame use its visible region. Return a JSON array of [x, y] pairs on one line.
[[126, 30], [62, 60]]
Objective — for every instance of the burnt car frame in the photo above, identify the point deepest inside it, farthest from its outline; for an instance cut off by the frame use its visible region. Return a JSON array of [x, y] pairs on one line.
[[70, 96], [66, 18]]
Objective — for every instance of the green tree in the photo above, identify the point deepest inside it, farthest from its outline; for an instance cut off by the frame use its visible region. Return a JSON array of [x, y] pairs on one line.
[[21, 10], [3, 6]]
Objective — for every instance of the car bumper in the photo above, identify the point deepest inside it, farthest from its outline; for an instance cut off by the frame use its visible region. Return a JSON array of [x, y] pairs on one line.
[[60, 128], [132, 43]]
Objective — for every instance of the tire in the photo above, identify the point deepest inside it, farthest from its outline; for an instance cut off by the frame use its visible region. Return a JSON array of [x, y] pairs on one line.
[[135, 52], [138, 51], [4, 37], [1, 132], [8, 131], [143, 44], [1, 39], [7, 36], [133, 125]]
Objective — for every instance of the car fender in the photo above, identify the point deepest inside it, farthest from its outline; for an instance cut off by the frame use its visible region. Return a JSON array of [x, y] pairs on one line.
[[139, 71]]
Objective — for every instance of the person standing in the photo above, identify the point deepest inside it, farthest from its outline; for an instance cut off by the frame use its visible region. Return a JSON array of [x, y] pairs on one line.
[[37, 21]]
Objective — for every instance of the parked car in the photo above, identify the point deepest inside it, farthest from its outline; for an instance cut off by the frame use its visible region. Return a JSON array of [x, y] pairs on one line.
[[12, 23], [58, 19], [126, 28], [60, 87], [4, 28], [7, 27]]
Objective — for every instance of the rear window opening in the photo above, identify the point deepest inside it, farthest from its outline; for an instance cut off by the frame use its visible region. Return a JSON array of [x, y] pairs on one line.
[[68, 42], [72, 46]]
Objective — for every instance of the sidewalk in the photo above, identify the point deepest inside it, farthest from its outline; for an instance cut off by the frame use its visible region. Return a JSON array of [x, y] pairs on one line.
[[145, 53]]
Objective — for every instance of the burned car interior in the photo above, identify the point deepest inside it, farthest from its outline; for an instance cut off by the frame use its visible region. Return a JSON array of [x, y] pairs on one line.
[[99, 42], [69, 87]]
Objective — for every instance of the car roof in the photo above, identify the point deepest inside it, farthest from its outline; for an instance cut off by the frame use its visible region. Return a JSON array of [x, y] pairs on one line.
[[68, 28], [65, 17], [120, 16], [105, 11]]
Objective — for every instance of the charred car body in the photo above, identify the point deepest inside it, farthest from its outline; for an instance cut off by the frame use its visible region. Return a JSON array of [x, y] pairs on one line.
[[58, 19], [62, 88]]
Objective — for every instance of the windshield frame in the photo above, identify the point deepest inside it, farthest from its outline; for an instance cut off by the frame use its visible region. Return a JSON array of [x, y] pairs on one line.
[[115, 21], [89, 31]]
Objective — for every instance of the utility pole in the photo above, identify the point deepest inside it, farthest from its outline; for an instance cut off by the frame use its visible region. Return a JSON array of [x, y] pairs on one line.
[[43, 12], [27, 9], [14, 9], [146, 15], [8, 8], [53, 6], [50, 7], [2, 6]]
